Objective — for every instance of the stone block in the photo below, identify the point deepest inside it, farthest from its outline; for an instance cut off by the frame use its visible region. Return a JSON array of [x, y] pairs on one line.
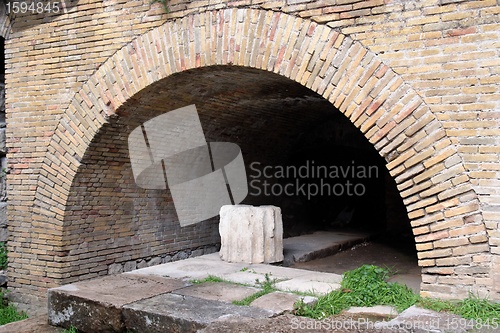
[[381, 311], [4, 234], [3, 148], [280, 302], [178, 313], [218, 291], [251, 234], [155, 261], [130, 266], [3, 214], [96, 305]]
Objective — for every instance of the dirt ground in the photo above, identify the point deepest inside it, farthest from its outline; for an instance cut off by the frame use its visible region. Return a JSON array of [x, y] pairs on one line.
[[399, 258]]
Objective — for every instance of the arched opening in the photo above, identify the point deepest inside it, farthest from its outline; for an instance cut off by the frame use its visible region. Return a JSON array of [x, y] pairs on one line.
[[279, 125], [423, 161]]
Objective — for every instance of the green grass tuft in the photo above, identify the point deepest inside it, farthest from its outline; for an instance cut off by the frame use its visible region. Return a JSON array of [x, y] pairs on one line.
[[71, 329], [368, 286], [267, 287], [364, 286], [8, 312], [476, 308], [210, 278], [3, 256]]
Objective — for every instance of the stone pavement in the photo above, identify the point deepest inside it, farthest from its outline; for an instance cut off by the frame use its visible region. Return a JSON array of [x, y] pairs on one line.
[[166, 298], [319, 244]]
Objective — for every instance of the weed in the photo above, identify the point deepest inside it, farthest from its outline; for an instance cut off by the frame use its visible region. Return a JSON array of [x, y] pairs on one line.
[[436, 304], [246, 269], [364, 286], [210, 278], [268, 283], [476, 308], [3, 255], [71, 329], [267, 287], [8, 312], [368, 286]]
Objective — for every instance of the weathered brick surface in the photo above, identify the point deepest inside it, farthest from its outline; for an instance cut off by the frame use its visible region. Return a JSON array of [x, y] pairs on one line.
[[419, 78]]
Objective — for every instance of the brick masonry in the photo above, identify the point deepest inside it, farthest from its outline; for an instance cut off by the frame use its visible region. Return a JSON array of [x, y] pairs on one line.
[[420, 79]]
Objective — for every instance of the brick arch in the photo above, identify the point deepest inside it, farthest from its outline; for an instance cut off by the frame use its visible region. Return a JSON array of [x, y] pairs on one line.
[[428, 170]]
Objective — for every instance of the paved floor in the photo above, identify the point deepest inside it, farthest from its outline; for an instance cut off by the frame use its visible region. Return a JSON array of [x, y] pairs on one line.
[[319, 244], [400, 260], [318, 275], [285, 278]]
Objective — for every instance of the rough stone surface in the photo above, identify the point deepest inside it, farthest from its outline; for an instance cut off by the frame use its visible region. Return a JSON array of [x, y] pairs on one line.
[[196, 253], [129, 266], [177, 313], [279, 302], [3, 278], [382, 311], [96, 305], [35, 324], [3, 214], [218, 291], [142, 264], [307, 285], [155, 261], [246, 277], [251, 234], [339, 324], [424, 321], [4, 234], [181, 255], [3, 149], [319, 244], [193, 268], [115, 269]]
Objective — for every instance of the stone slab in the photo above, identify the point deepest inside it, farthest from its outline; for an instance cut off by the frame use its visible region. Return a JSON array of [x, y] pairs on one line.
[[319, 245], [218, 291], [383, 311], [177, 313], [3, 212], [280, 302], [322, 277], [95, 305], [278, 272], [307, 286], [192, 268], [3, 148], [246, 277]]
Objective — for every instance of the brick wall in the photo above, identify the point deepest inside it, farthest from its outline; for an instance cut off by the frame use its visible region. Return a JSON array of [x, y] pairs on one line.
[[418, 78]]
